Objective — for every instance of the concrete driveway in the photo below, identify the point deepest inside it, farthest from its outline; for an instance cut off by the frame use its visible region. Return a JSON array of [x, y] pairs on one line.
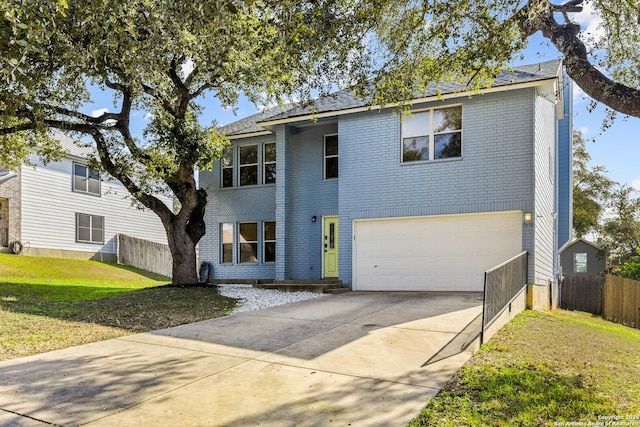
[[355, 359]]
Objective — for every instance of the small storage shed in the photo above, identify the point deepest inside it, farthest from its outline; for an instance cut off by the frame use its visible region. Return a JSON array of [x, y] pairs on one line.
[[582, 257]]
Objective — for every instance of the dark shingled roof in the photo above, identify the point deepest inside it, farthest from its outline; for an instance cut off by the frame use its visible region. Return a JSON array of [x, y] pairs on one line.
[[250, 124], [345, 100]]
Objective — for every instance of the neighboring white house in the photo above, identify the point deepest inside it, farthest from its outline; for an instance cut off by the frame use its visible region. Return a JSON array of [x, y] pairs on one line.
[[65, 209]]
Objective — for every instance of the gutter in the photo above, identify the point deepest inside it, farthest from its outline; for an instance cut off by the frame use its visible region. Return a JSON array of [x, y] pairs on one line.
[[7, 176]]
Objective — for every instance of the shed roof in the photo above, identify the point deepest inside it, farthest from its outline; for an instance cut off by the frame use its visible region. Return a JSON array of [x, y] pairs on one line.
[[573, 242]]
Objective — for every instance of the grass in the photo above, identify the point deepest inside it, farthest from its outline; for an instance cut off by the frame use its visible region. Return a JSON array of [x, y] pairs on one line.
[[545, 369], [48, 304]]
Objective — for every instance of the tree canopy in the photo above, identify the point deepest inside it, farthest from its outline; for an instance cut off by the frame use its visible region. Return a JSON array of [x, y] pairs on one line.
[[591, 189], [161, 58], [166, 58]]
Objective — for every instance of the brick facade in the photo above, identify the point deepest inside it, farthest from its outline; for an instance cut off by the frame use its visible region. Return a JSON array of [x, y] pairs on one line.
[[508, 144], [10, 207]]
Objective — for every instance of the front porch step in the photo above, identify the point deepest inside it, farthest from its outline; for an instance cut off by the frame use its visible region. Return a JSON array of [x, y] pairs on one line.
[[319, 286]]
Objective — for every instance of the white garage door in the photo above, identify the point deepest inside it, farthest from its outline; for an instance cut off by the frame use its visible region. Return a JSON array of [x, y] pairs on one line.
[[433, 253]]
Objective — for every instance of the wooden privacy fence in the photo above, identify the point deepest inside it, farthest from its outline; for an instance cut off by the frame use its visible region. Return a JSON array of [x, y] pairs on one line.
[[582, 292], [144, 254], [615, 298], [621, 302]]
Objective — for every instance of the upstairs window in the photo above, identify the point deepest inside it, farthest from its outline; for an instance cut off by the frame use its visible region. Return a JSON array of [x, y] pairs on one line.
[[432, 135], [85, 180], [330, 156], [248, 163], [227, 168], [269, 162]]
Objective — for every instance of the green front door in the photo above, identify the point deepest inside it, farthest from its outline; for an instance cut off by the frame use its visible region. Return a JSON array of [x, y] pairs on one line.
[[330, 246]]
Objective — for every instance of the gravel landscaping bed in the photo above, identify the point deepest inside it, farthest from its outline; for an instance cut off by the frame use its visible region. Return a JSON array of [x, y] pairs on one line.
[[251, 298]]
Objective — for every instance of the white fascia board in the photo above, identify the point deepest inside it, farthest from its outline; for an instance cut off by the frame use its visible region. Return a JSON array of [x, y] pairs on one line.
[[248, 135]]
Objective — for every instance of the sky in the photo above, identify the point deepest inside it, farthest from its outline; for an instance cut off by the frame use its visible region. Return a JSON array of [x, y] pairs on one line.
[[617, 148]]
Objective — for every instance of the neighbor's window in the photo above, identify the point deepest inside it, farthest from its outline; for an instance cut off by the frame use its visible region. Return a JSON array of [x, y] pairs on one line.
[[269, 163], [227, 168], [269, 241], [432, 135], [227, 242], [248, 244], [85, 180], [89, 228], [579, 263], [330, 156], [248, 155]]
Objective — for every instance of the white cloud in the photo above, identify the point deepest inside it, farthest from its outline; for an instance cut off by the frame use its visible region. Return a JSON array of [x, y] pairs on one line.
[[578, 94], [148, 116], [636, 184], [583, 130], [590, 22], [187, 67], [99, 112]]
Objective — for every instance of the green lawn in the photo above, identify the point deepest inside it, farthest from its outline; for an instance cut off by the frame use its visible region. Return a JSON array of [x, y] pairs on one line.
[[49, 303], [545, 369]]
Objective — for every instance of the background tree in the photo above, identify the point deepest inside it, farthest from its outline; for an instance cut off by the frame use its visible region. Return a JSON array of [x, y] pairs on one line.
[[620, 233], [630, 268], [591, 189], [162, 57], [471, 41]]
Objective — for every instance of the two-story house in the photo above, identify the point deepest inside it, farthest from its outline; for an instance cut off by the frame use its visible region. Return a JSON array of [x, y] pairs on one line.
[[66, 209], [384, 201]]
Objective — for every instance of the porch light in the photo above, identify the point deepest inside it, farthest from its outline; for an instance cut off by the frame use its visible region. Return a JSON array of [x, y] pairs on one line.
[[527, 217], [313, 218]]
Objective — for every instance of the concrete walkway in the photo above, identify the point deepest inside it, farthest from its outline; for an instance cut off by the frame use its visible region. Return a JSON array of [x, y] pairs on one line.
[[352, 359]]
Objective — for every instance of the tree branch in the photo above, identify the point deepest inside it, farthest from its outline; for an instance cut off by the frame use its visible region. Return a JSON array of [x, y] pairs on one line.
[[537, 15], [146, 199], [183, 90]]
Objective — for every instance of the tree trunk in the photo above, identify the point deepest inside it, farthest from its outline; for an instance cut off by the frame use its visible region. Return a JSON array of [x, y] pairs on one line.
[[183, 251], [184, 231]]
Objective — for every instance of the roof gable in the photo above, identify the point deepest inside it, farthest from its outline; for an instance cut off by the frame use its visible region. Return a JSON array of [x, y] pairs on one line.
[[570, 244]]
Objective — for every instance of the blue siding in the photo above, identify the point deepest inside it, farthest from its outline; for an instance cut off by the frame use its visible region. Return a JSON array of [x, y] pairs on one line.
[[310, 195], [237, 204], [504, 167], [495, 172], [565, 163]]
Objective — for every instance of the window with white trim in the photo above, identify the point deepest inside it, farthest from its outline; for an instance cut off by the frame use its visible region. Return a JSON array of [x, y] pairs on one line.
[[579, 262], [227, 167], [248, 164], [226, 230], [89, 228], [269, 162], [330, 156], [85, 180], [432, 135], [269, 242], [248, 242]]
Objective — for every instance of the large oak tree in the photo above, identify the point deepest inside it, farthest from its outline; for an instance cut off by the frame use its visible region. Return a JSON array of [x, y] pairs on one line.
[[161, 58], [167, 57]]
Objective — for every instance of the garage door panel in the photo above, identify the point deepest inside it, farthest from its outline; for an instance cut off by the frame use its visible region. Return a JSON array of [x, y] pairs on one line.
[[448, 252]]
